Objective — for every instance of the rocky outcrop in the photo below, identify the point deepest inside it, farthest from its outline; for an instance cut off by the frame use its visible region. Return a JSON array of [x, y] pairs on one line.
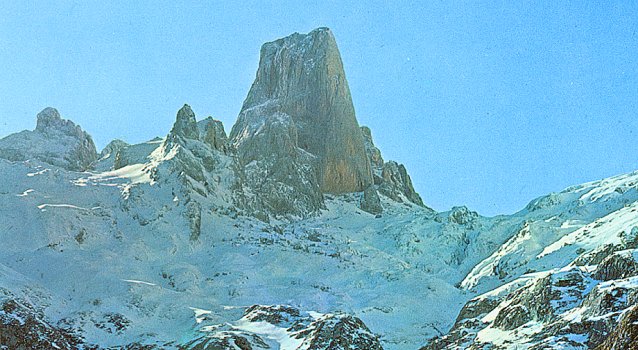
[[232, 340], [370, 201], [55, 141], [112, 148], [390, 178], [339, 331], [572, 307], [619, 265], [462, 216], [212, 133], [313, 332], [297, 133], [22, 327], [301, 77], [190, 156], [625, 335], [397, 183], [185, 125], [276, 177]]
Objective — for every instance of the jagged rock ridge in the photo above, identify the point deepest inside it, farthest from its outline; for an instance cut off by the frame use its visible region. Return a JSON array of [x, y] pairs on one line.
[[390, 178], [297, 329], [568, 276], [55, 141]]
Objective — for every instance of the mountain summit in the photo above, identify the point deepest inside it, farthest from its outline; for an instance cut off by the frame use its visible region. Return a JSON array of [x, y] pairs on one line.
[[297, 136], [302, 77], [55, 141]]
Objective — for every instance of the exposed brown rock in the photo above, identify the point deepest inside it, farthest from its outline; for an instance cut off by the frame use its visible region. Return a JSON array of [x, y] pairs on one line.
[[625, 335]]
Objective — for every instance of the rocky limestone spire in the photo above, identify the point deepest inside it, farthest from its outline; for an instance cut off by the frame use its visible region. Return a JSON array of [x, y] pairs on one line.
[[212, 133], [48, 118], [185, 124], [302, 76]]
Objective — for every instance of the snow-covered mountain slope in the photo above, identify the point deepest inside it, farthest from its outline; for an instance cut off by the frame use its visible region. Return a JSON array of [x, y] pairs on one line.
[[559, 227], [119, 245], [118, 259], [124, 253], [568, 287]]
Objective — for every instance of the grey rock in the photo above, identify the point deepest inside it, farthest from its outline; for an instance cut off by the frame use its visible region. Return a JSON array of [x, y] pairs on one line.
[[370, 201], [193, 160], [297, 136], [462, 215], [391, 178], [108, 155], [374, 154], [276, 176], [23, 327], [112, 148], [212, 133], [55, 141], [617, 266], [185, 125], [397, 183], [328, 332], [194, 216], [625, 334], [227, 340], [302, 76], [340, 331]]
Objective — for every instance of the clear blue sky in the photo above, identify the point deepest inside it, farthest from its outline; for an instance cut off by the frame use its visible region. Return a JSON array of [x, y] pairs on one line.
[[489, 104]]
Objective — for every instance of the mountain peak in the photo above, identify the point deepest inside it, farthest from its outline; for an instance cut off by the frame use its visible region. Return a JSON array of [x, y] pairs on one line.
[[302, 76], [47, 117], [49, 120], [185, 124], [55, 141]]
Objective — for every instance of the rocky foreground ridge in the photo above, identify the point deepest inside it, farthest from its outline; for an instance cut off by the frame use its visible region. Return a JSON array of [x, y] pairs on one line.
[[293, 232]]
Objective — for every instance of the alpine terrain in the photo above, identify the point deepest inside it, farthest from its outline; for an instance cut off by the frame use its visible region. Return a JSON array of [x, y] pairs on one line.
[[293, 232]]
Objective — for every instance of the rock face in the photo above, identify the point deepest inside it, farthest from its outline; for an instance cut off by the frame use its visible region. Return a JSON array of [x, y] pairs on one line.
[[587, 306], [185, 124], [276, 176], [23, 328], [301, 78], [370, 201], [625, 335], [55, 141], [390, 178], [297, 136], [212, 133], [340, 331]]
